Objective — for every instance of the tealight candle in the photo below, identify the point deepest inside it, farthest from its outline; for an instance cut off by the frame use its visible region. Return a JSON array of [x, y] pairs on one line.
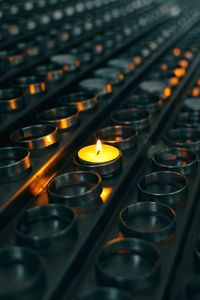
[[98, 154], [104, 159]]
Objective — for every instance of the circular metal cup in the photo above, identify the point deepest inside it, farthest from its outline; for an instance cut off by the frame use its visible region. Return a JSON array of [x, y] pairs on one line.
[[130, 264], [69, 62], [11, 100], [99, 86], [32, 84], [14, 162], [152, 87], [188, 119], [46, 227], [122, 137], [192, 104], [184, 137], [126, 65], [104, 169], [50, 71], [179, 160], [104, 293], [166, 187], [148, 220], [82, 101], [23, 269], [113, 75], [35, 137], [79, 190], [62, 117], [150, 103], [134, 117]]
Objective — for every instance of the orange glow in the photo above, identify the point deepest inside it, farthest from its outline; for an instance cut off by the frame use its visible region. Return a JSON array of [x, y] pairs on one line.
[[107, 191], [131, 66], [98, 146], [198, 82], [164, 67], [179, 72], [176, 52], [174, 81], [183, 63], [137, 60], [121, 76], [167, 92], [109, 88], [195, 92]]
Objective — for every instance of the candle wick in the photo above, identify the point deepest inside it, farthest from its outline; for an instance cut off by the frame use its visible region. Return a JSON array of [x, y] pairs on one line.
[[98, 152]]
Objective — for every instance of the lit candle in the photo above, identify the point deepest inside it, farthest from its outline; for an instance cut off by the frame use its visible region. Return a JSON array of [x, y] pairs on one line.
[[98, 154]]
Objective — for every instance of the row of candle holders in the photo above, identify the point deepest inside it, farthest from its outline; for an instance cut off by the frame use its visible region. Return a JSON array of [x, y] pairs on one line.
[[14, 24], [26, 51], [54, 227], [133, 263]]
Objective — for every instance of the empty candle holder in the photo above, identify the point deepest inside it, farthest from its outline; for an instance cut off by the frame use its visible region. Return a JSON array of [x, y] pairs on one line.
[[82, 101], [79, 190], [62, 117], [68, 62], [123, 137], [32, 84], [12, 57], [148, 220], [152, 87], [184, 137], [150, 103], [126, 65], [50, 71], [47, 227], [24, 270], [100, 293], [188, 119], [119, 264], [166, 187], [100, 86], [11, 100], [134, 117], [191, 105], [179, 160], [35, 137], [113, 75], [14, 163], [104, 159]]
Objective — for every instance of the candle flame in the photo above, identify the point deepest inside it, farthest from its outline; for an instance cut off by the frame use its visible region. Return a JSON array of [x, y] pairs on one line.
[[98, 146]]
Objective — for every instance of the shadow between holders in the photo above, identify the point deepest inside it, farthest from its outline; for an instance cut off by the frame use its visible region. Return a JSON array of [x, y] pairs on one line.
[[14, 163], [21, 273], [35, 137], [79, 190], [52, 226], [148, 220], [122, 137], [179, 160], [166, 187], [62, 117], [11, 100], [82, 101], [130, 264], [184, 137], [101, 293], [135, 117]]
